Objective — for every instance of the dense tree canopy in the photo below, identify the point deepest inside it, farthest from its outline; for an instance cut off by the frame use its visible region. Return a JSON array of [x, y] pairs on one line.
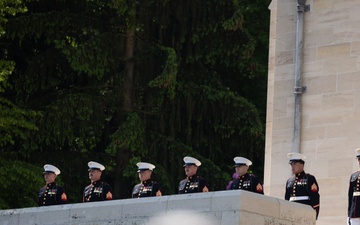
[[126, 81]]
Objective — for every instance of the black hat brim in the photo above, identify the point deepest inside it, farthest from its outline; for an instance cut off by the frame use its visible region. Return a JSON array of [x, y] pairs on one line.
[[189, 164]]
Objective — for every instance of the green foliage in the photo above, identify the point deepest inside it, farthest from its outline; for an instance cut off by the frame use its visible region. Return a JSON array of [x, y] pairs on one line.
[[129, 170], [77, 122], [198, 87], [6, 68], [20, 183], [167, 79], [9, 7], [123, 7], [240, 113], [92, 57], [131, 135], [15, 122]]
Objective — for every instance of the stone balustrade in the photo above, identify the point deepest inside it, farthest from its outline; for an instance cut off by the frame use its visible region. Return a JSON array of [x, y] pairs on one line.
[[235, 207]]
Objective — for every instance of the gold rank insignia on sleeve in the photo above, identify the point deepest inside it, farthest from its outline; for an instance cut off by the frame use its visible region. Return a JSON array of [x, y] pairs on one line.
[[158, 193], [314, 188], [205, 189], [63, 197], [259, 187], [109, 196]]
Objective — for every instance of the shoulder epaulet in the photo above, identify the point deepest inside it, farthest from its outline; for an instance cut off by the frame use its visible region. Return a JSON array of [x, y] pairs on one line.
[[291, 178], [354, 176], [356, 173]]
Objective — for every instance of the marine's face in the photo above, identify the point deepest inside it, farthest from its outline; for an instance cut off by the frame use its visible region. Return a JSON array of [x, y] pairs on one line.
[[94, 175], [358, 161], [190, 170], [296, 167], [145, 175], [49, 177], [241, 170]]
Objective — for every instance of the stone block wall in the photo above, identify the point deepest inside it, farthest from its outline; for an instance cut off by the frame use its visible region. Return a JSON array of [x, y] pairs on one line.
[[330, 122], [234, 207]]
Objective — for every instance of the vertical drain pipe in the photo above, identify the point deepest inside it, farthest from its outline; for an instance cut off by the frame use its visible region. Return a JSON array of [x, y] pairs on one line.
[[299, 89]]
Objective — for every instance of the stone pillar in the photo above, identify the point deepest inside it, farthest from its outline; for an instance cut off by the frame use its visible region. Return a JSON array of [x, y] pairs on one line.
[[330, 127]]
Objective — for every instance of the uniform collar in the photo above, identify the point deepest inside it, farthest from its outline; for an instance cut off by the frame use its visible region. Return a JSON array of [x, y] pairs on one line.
[[300, 174], [243, 176], [193, 176], [96, 182], [145, 182], [51, 184]]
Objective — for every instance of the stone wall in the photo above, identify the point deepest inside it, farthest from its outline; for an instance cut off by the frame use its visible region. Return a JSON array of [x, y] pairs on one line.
[[330, 125], [234, 207]]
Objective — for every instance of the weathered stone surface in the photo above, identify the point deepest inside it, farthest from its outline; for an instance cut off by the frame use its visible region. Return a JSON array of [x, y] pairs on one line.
[[235, 207], [330, 118]]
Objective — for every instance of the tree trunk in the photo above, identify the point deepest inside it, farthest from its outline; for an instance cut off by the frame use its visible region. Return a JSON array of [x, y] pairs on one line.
[[129, 71], [123, 154]]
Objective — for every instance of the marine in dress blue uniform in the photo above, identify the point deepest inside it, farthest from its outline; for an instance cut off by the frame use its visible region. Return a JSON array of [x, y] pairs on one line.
[[51, 193], [193, 183], [97, 190], [147, 187], [354, 195], [302, 187], [246, 181]]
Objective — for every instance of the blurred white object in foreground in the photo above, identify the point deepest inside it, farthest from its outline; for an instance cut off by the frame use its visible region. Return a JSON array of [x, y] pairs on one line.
[[182, 218]]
